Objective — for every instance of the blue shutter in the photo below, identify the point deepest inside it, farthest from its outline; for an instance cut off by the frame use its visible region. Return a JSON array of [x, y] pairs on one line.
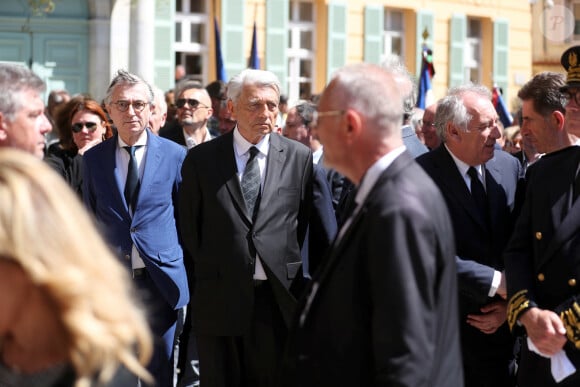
[[163, 57], [277, 39], [336, 51], [373, 39], [458, 34], [501, 53], [232, 36]]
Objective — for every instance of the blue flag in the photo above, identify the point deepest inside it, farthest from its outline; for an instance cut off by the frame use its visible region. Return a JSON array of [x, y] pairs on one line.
[[500, 107], [425, 94], [219, 62], [254, 62]]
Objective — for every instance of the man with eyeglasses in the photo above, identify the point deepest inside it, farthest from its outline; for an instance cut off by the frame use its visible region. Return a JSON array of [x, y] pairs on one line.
[[543, 257], [479, 185], [23, 122], [194, 110], [131, 184], [382, 308]]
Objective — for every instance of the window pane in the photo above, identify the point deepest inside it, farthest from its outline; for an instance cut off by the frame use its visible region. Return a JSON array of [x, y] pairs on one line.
[[576, 19], [397, 45], [196, 6], [193, 66], [178, 37], [396, 23], [474, 28], [305, 12], [196, 35], [306, 40], [305, 68], [305, 90]]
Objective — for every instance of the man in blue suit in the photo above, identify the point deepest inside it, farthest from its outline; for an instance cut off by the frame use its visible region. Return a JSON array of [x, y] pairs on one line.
[[131, 184], [478, 183]]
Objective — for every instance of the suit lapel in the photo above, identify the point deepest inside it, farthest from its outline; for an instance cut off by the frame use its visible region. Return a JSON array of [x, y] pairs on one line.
[[109, 163], [337, 247], [454, 184], [226, 160], [495, 194], [152, 162], [274, 168]]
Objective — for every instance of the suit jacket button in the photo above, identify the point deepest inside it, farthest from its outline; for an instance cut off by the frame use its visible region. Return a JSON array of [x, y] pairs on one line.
[[127, 257], [538, 235], [541, 277], [133, 229], [572, 282]]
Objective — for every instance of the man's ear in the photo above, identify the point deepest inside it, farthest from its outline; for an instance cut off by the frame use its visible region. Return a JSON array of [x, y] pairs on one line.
[[232, 109], [353, 123], [558, 118], [3, 127], [453, 133]]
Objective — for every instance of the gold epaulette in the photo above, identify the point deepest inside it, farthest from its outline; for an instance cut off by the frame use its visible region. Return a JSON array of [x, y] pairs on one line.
[[571, 319], [517, 304]]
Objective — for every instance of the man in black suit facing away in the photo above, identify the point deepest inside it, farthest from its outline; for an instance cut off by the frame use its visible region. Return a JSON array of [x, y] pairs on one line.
[[244, 221], [382, 309], [478, 183]]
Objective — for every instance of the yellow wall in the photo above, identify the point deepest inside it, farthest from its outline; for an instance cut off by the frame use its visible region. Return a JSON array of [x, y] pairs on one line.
[[518, 13]]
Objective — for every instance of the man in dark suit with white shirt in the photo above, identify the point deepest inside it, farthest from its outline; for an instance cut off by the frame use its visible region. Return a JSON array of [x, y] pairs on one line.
[[382, 309], [479, 184], [244, 222]]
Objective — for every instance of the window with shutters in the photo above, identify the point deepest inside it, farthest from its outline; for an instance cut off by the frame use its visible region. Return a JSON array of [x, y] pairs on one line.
[[191, 37], [301, 46], [394, 36], [575, 8], [472, 59]]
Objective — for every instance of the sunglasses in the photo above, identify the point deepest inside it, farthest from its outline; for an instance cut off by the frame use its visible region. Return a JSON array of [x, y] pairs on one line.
[[78, 127], [193, 103]]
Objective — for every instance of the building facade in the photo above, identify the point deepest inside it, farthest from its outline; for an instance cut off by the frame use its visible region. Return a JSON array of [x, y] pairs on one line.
[[82, 43]]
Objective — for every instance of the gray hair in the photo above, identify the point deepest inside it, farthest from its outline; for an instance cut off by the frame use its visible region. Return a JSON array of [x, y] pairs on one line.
[[305, 110], [260, 78], [452, 109], [123, 77], [394, 65], [371, 91], [14, 81], [187, 84]]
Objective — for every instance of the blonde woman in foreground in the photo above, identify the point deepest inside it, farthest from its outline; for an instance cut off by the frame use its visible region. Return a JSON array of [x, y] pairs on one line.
[[67, 315]]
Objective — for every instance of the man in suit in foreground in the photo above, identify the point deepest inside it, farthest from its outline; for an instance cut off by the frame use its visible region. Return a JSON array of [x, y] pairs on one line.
[[244, 222], [478, 183], [543, 257], [130, 184], [382, 310]]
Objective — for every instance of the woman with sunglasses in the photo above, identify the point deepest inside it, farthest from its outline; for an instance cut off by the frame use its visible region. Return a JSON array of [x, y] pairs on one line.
[[83, 124]]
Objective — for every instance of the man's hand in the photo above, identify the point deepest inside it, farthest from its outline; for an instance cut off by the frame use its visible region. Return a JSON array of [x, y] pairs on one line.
[[492, 317], [545, 329]]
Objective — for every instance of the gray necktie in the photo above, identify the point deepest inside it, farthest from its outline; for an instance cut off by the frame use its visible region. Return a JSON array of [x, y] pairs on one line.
[[132, 182], [251, 181]]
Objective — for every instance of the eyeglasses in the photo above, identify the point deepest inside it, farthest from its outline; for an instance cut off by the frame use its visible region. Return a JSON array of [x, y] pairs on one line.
[[193, 103], [78, 127], [316, 115], [123, 106]]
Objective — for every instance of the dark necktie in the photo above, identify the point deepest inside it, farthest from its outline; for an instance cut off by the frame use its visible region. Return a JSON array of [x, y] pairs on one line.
[[478, 192], [132, 182], [251, 181]]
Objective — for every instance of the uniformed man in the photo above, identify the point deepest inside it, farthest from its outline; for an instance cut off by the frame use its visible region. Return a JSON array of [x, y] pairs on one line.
[[543, 258]]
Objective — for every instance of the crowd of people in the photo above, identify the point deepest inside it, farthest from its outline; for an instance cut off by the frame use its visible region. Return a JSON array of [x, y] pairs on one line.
[[213, 236]]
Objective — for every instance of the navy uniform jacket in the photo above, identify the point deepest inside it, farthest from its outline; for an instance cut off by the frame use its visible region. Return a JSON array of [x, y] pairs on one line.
[[543, 257]]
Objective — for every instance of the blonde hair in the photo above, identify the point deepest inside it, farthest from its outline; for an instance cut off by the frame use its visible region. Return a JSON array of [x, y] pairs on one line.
[[45, 229]]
